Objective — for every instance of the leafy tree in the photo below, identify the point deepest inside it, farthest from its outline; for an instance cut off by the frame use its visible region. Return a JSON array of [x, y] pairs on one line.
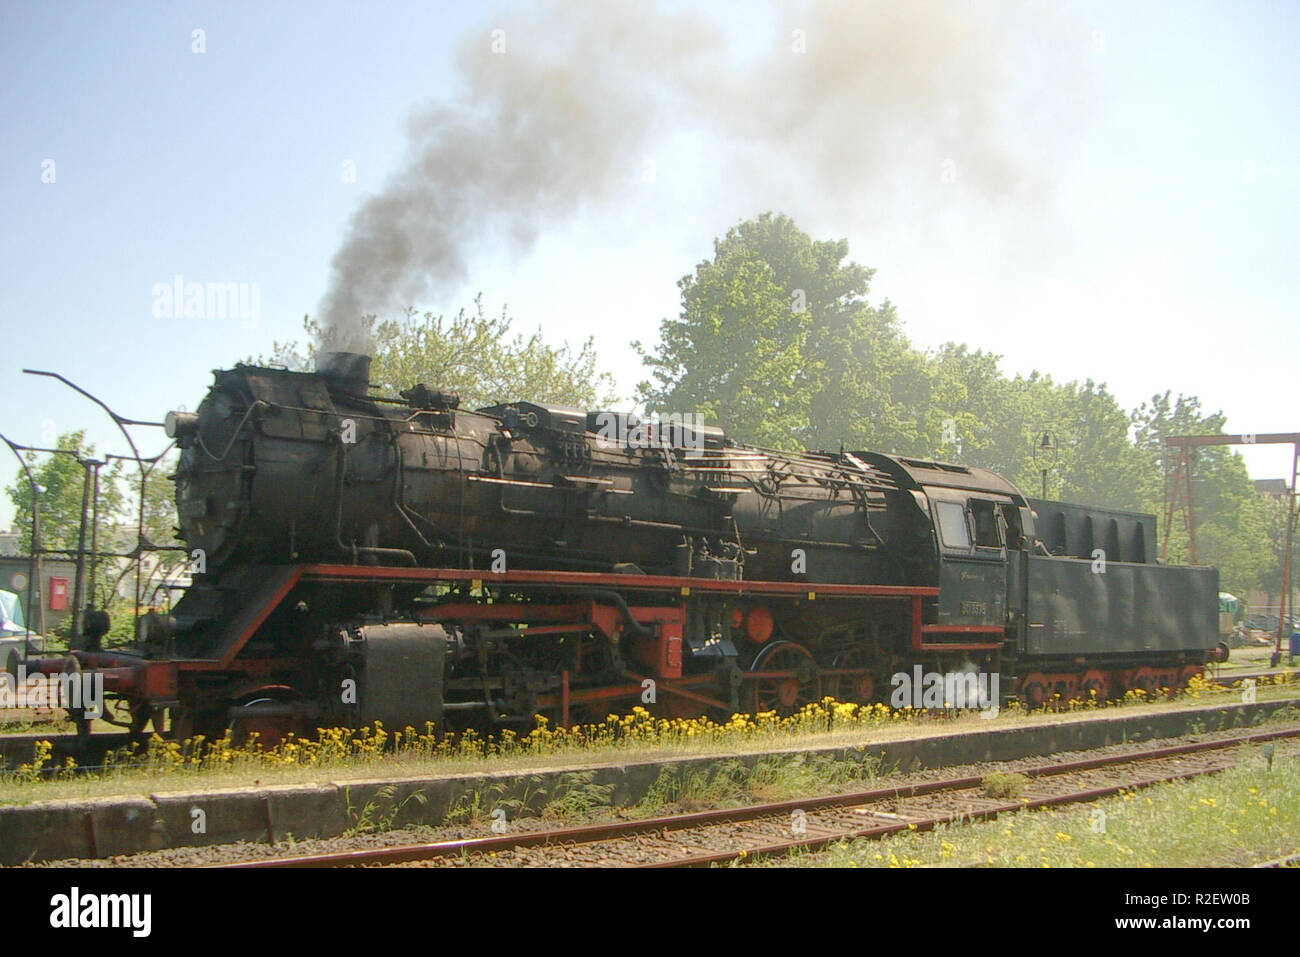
[[1096, 461], [974, 413], [471, 353], [62, 477], [160, 525], [777, 343]]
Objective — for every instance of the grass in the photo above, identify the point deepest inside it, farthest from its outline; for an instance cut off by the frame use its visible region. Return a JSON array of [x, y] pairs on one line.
[[32, 721], [378, 813], [1001, 784], [573, 796], [576, 799], [342, 755], [734, 783], [1242, 816]]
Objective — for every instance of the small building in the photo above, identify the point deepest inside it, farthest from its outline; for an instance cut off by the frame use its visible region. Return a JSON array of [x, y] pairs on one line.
[[54, 591], [1272, 487]]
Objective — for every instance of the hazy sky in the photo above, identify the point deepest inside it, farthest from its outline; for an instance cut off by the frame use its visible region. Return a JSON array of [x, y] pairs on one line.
[[1102, 190]]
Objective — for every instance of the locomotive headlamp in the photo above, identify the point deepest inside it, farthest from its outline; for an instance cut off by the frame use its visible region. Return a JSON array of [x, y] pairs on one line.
[[181, 425]]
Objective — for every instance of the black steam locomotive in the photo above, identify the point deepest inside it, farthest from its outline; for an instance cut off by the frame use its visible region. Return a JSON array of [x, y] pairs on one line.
[[360, 557]]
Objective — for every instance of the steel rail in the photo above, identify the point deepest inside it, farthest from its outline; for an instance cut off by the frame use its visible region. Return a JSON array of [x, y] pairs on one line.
[[926, 824]]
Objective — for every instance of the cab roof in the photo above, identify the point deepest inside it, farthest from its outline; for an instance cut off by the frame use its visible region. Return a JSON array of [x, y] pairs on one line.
[[917, 473]]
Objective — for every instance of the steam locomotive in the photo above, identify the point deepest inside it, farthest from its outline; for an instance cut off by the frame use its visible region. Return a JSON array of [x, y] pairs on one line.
[[360, 557]]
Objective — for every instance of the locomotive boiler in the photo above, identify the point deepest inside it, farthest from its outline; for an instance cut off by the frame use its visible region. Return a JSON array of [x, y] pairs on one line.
[[360, 557]]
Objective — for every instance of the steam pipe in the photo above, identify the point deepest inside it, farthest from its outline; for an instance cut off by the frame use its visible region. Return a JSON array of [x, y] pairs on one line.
[[613, 597], [354, 549], [616, 599]]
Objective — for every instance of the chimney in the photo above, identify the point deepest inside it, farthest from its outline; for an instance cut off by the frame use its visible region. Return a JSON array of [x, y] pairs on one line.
[[344, 371]]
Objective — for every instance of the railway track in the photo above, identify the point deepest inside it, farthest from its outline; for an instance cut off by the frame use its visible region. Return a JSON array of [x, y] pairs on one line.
[[737, 834]]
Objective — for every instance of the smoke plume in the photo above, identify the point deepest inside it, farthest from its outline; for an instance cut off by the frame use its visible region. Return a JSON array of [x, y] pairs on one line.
[[560, 109]]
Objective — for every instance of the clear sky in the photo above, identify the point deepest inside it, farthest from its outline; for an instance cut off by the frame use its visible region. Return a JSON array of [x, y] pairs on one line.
[[1151, 247]]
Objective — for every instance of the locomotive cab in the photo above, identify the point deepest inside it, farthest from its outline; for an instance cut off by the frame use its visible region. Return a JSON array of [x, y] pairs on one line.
[[981, 523]]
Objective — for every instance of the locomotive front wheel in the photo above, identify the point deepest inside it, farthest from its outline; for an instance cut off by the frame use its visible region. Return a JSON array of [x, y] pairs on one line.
[[789, 692]]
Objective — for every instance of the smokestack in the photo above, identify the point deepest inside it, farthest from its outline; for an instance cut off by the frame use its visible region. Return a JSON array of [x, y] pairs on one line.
[[344, 371]]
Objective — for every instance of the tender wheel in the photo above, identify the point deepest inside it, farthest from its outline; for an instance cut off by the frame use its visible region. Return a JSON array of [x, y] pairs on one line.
[[1033, 691], [1095, 686], [1144, 680], [788, 693]]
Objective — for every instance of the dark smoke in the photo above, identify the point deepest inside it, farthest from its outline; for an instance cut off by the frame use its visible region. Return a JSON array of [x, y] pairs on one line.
[[567, 113]]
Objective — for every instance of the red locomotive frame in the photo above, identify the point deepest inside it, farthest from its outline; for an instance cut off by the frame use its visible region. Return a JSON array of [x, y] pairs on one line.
[[657, 602]]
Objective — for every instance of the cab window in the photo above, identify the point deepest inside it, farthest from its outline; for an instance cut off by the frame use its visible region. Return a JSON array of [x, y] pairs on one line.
[[1011, 522], [952, 524], [987, 532]]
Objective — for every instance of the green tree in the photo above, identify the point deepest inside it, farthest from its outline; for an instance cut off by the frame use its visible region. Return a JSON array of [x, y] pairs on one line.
[[777, 343], [471, 353], [62, 478], [1097, 463], [974, 413], [160, 522]]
